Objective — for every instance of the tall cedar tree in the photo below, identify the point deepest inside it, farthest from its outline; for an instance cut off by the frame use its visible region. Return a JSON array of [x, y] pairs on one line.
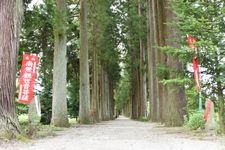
[[84, 111], [167, 101], [59, 103], [10, 19]]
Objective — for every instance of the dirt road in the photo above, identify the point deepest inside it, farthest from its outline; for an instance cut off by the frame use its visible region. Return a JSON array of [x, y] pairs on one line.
[[121, 134]]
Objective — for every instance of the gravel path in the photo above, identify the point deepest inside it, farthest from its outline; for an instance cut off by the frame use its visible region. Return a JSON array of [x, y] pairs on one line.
[[121, 134]]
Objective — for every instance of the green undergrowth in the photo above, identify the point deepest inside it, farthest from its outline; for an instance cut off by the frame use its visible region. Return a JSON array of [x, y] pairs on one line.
[[37, 130], [72, 121], [143, 119], [195, 121]]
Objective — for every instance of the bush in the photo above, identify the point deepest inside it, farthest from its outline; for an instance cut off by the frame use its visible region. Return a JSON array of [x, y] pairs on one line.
[[195, 121]]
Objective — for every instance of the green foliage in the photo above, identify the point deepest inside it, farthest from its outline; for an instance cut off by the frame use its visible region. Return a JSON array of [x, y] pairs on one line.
[[162, 71], [21, 108], [144, 119], [73, 98], [133, 30], [178, 81], [73, 63], [122, 92], [204, 20], [107, 43], [192, 99], [72, 121], [195, 121], [182, 54], [60, 17], [23, 118]]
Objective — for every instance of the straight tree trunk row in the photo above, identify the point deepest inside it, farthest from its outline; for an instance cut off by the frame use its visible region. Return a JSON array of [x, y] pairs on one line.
[[167, 102]]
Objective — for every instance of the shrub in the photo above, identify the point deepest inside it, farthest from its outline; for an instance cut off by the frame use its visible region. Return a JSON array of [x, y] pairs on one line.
[[195, 121]]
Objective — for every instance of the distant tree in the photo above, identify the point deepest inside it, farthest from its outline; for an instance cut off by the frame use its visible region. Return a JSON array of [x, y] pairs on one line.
[[122, 95], [134, 39], [105, 58]]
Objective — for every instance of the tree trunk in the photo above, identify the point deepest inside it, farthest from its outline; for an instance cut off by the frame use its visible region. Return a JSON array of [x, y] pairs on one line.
[[176, 100], [105, 97], [161, 56], [221, 105], [95, 64], [10, 20], [143, 95], [164, 106], [84, 111], [152, 60], [135, 94], [95, 85], [105, 110], [59, 103], [101, 93], [111, 99]]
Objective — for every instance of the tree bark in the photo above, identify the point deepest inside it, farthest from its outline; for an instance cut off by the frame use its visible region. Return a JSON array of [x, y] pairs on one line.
[[135, 94], [95, 65], [143, 95], [111, 99], [175, 108], [105, 96], [161, 56], [59, 103], [84, 111], [10, 20], [152, 60]]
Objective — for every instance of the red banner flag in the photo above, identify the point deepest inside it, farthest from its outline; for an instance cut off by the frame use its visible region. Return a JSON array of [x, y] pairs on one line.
[[27, 78], [191, 41], [208, 108], [196, 72]]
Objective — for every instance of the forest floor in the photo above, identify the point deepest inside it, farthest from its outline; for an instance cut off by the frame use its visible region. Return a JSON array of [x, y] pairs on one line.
[[121, 134]]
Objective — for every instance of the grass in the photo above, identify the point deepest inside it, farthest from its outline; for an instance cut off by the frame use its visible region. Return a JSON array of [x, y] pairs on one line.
[[23, 118], [37, 130], [72, 121]]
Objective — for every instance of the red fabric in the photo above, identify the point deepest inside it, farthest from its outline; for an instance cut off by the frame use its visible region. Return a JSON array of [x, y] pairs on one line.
[[207, 110], [191, 41], [196, 72], [27, 78]]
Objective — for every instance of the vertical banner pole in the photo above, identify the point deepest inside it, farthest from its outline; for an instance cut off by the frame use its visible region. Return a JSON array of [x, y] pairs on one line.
[[196, 66], [36, 98]]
